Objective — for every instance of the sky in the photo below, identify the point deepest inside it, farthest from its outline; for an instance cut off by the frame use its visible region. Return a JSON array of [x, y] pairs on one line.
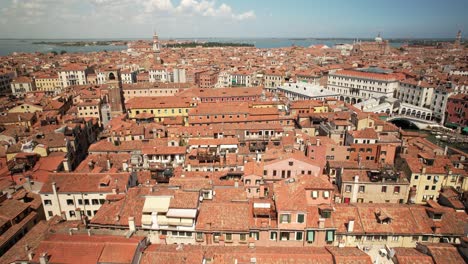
[[45, 19]]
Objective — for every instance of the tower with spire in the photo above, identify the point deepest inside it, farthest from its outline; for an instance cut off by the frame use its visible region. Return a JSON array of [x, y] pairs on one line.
[[458, 39], [156, 48]]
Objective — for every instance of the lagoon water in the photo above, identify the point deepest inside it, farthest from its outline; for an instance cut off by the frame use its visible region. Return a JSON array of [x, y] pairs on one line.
[[8, 46]]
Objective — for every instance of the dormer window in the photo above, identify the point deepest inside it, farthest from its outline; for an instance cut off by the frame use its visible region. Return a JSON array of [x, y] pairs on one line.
[[382, 217], [325, 213], [437, 216], [104, 182]]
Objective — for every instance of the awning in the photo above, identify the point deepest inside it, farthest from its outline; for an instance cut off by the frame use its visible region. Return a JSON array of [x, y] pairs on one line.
[[452, 125], [146, 219], [156, 204], [184, 213]]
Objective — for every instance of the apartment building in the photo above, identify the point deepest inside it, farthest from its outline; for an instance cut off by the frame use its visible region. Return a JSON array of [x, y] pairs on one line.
[[73, 74], [48, 83], [22, 85], [152, 89], [418, 93], [428, 174], [361, 84], [372, 186], [159, 108], [5, 80], [76, 196]]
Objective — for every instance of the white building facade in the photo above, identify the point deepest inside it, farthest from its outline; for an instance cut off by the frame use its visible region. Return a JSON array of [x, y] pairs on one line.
[[357, 85]]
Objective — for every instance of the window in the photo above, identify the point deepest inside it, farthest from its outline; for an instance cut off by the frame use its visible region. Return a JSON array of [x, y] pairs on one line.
[[330, 236], [80, 201], [228, 237], [310, 236], [433, 187], [50, 213], [395, 238], [255, 235], [86, 202], [315, 194], [265, 172], [384, 189], [70, 202], [199, 236], [216, 237], [242, 237], [273, 235], [285, 218], [415, 238], [298, 235], [274, 172], [396, 189], [429, 177], [71, 213], [48, 202], [102, 201], [348, 188], [326, 194], [284, 236], [95, 201], [362, 188], [416, 177], [426, 187], [300, 218], [425, 238]]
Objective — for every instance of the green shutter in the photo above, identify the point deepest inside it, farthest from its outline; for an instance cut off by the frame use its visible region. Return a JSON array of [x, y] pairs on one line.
[[330, 236], [300, 218], [310, 235]]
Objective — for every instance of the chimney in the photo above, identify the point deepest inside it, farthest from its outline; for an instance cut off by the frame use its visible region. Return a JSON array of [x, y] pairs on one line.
[[131, 223], [321, 222], [423, 170], [89, 232], [318, 142], [445, 150], [30, 256], [236, 184], [356, 178], [91, 165], [108, 164], [351, 225], [54, 188], [66, 165], [44, 259], [28, 182], [124, 165]]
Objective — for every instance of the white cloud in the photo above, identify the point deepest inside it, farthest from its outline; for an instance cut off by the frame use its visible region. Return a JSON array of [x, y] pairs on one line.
[[157, 5], [208, 9], [112, 17]]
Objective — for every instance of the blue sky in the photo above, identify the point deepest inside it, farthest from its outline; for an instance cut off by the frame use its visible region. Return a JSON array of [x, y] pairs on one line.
[[231, 18]]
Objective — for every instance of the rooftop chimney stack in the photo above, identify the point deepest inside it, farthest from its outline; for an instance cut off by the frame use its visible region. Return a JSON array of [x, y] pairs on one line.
[[351, 225], [131, 223], [44, 259]]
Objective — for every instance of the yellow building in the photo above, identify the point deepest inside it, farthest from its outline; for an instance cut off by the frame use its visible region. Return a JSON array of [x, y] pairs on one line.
[[26, 108], [48, 83], [159, 108], [308, 107], [428, 175]]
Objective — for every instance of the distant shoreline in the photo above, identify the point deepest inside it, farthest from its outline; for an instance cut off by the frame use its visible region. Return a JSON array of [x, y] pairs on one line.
[[82, 43]]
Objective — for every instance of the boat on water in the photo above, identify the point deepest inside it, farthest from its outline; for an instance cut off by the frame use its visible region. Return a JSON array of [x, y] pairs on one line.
[[438, 137]]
